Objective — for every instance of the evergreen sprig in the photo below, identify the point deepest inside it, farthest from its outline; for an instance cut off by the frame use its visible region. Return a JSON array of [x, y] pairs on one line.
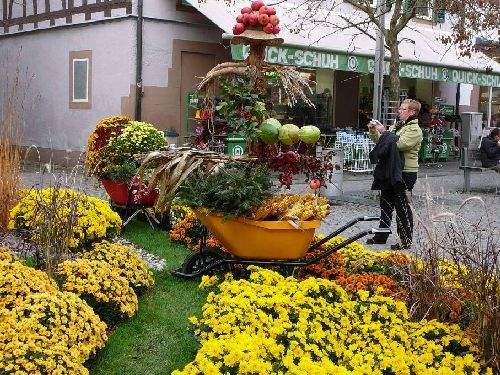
[[232, 191]]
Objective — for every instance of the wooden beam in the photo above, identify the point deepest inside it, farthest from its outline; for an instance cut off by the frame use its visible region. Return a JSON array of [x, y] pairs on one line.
[[107, 12], [87, 14], [24, 15], [4, 17], [47, 10], [11, 3], [35, 12]]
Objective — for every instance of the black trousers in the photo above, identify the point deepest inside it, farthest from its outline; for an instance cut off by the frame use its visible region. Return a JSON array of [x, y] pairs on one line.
[[391, 199]]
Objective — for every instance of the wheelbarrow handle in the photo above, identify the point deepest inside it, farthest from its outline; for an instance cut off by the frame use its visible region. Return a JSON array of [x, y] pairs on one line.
[[337, 247], [341, 229], [381, 230]]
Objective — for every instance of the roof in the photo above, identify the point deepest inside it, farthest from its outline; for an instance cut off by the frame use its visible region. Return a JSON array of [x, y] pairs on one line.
[[417, 44]]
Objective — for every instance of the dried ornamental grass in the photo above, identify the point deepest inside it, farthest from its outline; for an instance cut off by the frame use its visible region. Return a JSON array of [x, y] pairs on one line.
[[125, 261], [100, 285], [272, 324], [91, 218], [10, 155], [17, 282], [50, 333]]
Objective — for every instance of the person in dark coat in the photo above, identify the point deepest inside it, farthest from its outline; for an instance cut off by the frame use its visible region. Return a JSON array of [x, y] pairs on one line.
[[490, 150], [388, 177]]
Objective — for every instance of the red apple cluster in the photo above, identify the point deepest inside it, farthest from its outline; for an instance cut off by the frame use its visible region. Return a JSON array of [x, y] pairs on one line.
[[258, 16]]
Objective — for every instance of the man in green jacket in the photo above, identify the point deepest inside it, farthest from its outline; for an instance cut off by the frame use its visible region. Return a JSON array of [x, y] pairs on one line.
[[410, 138]]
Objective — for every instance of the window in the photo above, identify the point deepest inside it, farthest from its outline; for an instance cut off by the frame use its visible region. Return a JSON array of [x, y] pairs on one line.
[[80, 80]]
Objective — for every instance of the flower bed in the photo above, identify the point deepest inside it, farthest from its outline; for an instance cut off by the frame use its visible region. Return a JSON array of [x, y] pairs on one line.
[[100, 285], [272, 324], [47, 331], [125, 261], [88, 217]]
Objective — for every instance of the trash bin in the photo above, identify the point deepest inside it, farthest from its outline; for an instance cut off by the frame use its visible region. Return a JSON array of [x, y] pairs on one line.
[[235, 145]]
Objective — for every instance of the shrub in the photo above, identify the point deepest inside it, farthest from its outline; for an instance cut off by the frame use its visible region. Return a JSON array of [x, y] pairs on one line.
[[272, 324], [116, 143], [92, 218], [125, 261], [6, 254], [100, 285], [232, 190], [106, 128], [50, 333], [17, 282]]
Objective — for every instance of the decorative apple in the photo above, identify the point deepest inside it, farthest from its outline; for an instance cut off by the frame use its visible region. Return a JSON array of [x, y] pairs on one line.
[[274, 20], [269, 28], [270, 11], [315, 183], [263, 19], [246, 10], [253, 19], [256, 5], [276, 30], [246, 19], [263, 10], [238, 29]]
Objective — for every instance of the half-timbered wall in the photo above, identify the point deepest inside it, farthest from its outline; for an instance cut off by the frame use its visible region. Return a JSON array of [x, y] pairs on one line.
[[21, 15]]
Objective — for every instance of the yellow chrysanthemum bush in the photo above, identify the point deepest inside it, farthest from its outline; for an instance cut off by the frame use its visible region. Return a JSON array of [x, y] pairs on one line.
[[88, 218], [17, 282], [6, 254], [125, 261], [49, 333], [272, 324], [101, 285]]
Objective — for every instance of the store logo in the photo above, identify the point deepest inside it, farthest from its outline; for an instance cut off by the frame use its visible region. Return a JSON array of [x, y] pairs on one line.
[[444, 72], [238, 150], [352, 63]]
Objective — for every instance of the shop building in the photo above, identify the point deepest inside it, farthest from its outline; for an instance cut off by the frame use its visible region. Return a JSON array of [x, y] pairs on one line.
[[84, 60], [342, 64]]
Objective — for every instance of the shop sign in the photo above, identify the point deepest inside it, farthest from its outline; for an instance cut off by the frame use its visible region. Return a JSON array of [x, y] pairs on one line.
[[447, 110], [363, 64]]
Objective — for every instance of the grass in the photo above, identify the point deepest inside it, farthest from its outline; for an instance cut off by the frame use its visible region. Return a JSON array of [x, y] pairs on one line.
[[159, 339]]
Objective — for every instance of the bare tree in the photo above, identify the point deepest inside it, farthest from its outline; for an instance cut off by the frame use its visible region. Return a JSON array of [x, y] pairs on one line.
[[472, 19], [467, 19]]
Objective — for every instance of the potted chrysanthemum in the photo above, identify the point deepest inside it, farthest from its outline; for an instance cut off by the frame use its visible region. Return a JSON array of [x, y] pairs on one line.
[[113, 157]]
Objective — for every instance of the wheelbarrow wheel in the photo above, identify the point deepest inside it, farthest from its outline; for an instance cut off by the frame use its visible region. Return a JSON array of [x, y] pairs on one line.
[[197, 262]]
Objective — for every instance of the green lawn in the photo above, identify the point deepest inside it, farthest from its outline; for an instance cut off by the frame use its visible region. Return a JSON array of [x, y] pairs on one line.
[[159, 338]]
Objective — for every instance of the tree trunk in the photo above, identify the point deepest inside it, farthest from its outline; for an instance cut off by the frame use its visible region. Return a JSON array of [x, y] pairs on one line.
[[392, 43]]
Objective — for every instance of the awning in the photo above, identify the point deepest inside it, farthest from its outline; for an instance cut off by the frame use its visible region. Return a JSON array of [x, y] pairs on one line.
[[423, 56]]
